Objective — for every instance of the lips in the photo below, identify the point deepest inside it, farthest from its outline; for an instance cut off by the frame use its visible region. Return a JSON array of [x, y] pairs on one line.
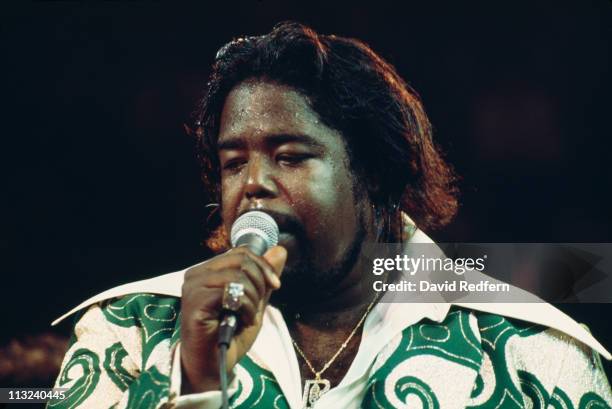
[[292, 234], [287, 224]]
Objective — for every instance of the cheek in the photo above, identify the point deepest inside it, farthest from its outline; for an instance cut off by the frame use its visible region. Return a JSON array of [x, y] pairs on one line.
[[230, 198], [326, 201]]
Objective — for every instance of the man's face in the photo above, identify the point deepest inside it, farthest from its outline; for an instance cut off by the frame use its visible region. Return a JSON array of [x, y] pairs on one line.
[[277, 156]]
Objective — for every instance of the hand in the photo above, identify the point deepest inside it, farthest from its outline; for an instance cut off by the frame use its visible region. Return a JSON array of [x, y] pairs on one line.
[[202, 293]]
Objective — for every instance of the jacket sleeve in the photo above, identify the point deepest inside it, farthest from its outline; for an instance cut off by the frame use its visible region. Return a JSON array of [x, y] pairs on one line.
[[126, 354], [530, 366], [582, 382], [102, 369], [203, 400]]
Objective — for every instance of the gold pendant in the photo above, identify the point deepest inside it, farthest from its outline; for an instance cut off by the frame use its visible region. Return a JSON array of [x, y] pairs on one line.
[[313, 390]]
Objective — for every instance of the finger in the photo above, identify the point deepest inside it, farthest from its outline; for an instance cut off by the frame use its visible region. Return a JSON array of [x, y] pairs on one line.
[[207, 303], [255, 274], [247, 312], [276, 257], [238, 257], [271, 275], [220, 279], [210, 307]]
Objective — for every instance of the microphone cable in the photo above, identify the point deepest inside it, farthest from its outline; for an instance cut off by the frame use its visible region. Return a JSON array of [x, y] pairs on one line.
[[223, 375], [226, 332]]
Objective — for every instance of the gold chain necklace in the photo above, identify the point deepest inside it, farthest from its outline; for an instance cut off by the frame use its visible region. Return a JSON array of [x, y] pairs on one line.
[[317, 387]]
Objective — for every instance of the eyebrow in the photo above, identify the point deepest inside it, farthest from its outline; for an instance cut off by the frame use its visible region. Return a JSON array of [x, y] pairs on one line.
[[240, 142]]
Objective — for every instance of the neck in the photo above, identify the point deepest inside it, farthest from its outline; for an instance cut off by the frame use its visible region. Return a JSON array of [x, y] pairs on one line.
[[327, 341], [347, 299], [326, 321]]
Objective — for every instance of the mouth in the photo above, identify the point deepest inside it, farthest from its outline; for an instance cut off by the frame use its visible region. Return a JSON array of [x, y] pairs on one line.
[[287, 225], [291, 232]]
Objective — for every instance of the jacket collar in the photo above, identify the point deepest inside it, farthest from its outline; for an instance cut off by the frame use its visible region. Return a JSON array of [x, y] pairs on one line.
[[398, 315]]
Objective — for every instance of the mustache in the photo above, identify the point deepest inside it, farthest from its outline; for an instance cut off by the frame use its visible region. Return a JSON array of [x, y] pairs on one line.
[[286, 223]]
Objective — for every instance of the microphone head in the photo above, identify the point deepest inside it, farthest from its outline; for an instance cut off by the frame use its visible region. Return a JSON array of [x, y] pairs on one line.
[[258, 223]]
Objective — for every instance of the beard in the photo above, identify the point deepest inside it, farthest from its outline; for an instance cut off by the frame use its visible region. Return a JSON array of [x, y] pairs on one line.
[[303, 283]]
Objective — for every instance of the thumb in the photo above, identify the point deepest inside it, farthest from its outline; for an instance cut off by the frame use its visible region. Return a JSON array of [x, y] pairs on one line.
[[277, 257]]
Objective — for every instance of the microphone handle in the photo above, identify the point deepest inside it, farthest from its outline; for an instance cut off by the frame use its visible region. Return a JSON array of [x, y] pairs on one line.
[[257, 244], [229, 322], [227, 327]]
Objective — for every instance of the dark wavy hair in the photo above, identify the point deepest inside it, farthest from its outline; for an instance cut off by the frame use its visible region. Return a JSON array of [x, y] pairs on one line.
[[354, 91]]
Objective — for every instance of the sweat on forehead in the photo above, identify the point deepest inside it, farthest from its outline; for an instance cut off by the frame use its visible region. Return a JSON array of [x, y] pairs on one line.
[[270, 108]]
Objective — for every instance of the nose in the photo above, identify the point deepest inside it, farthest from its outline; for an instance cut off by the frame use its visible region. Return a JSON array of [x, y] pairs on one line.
[[259, 179]]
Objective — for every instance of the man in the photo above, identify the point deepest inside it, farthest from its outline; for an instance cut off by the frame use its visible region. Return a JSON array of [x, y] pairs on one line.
[[323, 135]]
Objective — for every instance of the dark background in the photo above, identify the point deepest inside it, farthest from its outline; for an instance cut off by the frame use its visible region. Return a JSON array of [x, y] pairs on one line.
[[100, 183]]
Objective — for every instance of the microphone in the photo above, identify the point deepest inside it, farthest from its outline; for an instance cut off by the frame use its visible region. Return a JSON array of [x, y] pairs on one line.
[[258, 231]]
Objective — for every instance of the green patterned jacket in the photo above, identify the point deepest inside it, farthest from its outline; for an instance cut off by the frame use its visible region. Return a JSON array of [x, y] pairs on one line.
[[124, 354]]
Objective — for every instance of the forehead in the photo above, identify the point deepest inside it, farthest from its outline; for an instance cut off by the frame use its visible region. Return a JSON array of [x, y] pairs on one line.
[[259, 108]]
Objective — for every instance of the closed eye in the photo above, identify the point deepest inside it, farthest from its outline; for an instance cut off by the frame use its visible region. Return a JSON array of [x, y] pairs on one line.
[[293, 159], [234, 164]]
